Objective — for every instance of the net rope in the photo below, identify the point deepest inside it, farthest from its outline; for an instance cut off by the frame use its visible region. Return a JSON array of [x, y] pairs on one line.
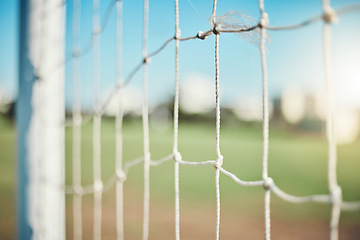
[[76, 111], [264, 22], [334, 188], [334, 198], [145, 119], [176, 153], [118, 128], [98, 185]]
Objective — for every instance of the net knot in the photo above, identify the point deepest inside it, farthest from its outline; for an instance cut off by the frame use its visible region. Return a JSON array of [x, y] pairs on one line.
[[147, 59], [98, 111], [77, 120], [216, 29], [264, 21], [77, 53], [97, 30], [120, 175], [219, 162], [147, 156], [201, 35], [98, 186], [177, 156], [330, 15], [336, 195], [120, 83], [268, 183], [78, 190], [177, 34]]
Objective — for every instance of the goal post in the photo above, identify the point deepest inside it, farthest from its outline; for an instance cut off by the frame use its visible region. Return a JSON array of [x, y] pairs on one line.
[[40, 115]]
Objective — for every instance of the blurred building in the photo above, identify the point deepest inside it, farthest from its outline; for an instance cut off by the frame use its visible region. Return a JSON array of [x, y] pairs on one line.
[[7, 105], [298, 107]]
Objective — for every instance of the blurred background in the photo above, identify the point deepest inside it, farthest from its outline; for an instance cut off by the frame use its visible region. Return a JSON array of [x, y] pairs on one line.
[[298, 146]]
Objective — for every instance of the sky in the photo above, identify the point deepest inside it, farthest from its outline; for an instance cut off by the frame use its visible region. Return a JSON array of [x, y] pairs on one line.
[[295, 57]]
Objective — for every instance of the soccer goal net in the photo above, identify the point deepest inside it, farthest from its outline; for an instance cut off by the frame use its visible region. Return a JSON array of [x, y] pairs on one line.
[[43, 116]]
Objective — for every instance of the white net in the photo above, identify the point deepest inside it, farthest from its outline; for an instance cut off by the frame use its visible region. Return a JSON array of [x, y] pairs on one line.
[[256, 32]]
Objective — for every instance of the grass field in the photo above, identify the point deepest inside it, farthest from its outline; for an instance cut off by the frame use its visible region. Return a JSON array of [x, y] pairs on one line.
[[297, 163]]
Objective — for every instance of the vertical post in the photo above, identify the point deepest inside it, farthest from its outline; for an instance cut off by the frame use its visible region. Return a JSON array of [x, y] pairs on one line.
[[40, 115]]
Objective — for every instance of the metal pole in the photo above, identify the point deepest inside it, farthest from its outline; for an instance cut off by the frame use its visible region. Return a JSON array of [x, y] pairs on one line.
[[40, 115]]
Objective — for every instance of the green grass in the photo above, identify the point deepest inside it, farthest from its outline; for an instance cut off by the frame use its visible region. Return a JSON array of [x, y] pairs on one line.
[[7, 179], [297, 163]]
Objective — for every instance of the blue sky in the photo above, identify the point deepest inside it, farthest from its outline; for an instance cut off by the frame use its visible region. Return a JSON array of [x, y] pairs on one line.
[[294, 57]]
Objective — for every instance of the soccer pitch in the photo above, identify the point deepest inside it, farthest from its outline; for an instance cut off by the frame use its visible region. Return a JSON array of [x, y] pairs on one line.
[[297, 163]]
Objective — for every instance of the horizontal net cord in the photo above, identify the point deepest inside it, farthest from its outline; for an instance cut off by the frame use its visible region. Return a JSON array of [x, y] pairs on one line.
[[210, 162], [326, 198], [88, 47], [127, 166], [321, 198], [161, 161], [108, 185], [217, 28], [110, 7], [337, 12], [350, 206], [136, 69], [127, 80], [241, 182], [345, 205], [199, 35], [203, 36]]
